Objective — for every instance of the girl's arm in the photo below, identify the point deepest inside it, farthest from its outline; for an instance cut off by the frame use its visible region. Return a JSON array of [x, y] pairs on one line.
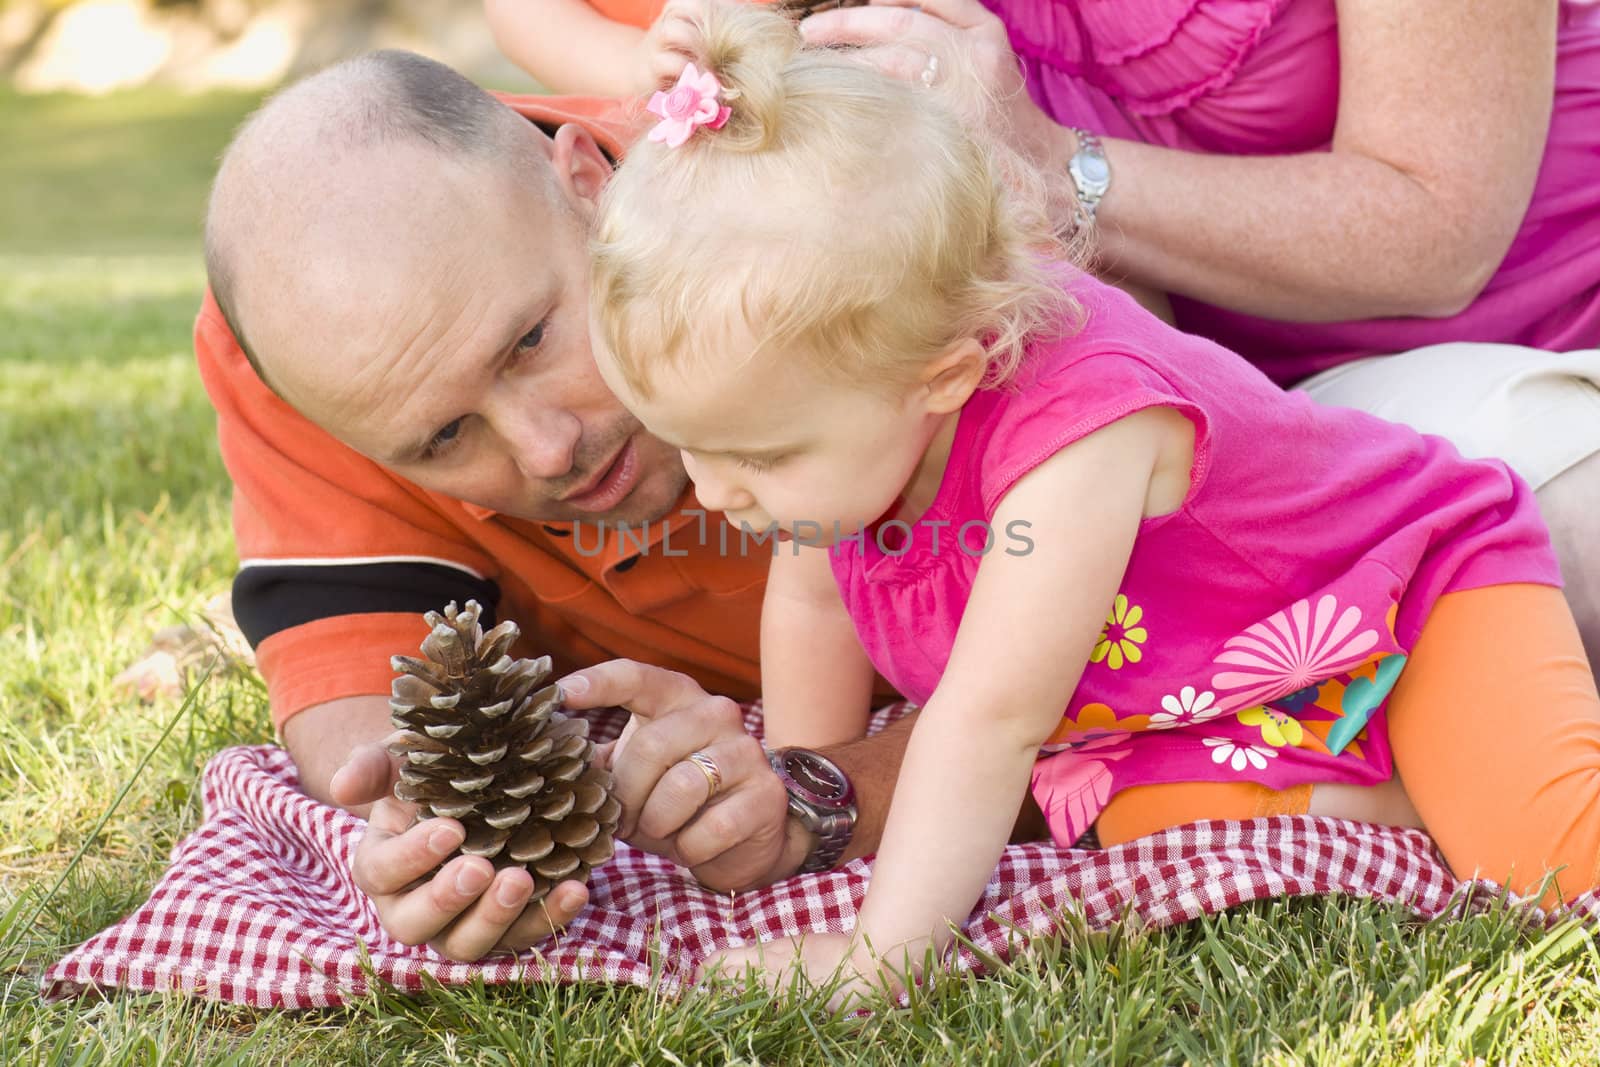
[[816, 681], [570, 47], [1025, 637], [1444, 106]]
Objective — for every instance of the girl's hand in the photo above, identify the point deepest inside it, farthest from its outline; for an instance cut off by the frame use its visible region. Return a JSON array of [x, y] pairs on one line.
[[972, 60], [671, 43], [797, 965]]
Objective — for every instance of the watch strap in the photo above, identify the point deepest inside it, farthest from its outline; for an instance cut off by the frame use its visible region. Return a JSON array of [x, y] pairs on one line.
[[1090, 173], [832, 826]]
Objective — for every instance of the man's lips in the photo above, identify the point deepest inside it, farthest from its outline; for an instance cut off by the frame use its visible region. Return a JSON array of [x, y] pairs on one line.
[[613, 482]]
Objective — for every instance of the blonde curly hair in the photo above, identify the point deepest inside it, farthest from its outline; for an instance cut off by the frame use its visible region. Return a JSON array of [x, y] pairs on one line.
[[840, 216]]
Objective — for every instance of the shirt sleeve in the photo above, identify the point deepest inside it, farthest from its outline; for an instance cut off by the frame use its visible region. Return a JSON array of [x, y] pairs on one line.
[[1065, 400], [338, 557]]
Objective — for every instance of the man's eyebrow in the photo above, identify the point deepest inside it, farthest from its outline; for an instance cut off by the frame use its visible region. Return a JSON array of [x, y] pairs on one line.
[[510, 334]]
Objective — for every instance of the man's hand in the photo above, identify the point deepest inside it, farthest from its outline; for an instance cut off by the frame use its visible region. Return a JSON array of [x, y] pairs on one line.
[[738, 839], [463, 911]]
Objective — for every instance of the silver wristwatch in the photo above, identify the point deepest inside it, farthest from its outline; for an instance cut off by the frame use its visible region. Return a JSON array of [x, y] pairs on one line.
[[1091, 173], [821, 797]]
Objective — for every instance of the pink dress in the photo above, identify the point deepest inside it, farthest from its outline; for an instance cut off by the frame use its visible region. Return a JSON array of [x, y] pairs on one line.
[[1261, 77], [1258, 629]]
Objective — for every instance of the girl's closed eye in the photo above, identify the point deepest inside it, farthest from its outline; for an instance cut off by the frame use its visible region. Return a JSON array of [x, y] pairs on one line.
[[759, 465]]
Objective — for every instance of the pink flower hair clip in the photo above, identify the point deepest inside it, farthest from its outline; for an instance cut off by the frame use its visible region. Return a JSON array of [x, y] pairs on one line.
[[693, 102]]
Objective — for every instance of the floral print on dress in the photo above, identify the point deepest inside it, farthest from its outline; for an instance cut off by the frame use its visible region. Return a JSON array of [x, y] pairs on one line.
[[1091, 722], [1225, 750], [1278, 729], [1292, 649], [1185, 708], [1361, 698], [1072, 788], [1300, 698], [1122, 635]]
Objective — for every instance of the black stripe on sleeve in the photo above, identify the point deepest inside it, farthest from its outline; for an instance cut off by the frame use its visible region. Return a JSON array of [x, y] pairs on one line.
[[268, 599]]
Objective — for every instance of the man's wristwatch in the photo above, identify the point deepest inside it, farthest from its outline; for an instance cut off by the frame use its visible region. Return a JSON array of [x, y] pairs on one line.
[[1091, 174], [821, 797]]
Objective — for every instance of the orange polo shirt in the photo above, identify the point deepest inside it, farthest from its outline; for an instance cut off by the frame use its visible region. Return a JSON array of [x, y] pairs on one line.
[[338, 556]]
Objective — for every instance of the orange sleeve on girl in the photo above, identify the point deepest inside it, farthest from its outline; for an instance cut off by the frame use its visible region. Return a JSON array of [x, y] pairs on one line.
[[640, 13]]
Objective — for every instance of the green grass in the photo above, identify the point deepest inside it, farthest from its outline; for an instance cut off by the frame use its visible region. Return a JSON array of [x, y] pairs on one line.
[[119, 174], [114, 521]]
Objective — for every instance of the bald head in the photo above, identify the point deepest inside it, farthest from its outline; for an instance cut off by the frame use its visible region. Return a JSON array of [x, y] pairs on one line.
[[297, 164]]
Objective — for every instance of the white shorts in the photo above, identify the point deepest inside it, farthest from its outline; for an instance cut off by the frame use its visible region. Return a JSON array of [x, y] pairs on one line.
[[1539, 411]]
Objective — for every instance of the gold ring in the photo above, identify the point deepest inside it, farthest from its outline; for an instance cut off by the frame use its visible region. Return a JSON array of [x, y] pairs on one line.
[[709, 768]]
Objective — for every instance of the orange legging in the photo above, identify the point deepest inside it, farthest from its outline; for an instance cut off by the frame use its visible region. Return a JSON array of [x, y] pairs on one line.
[[1495, 727]]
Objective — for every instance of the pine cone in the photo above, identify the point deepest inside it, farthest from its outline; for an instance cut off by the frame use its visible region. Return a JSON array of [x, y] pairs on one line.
[[486, 745]]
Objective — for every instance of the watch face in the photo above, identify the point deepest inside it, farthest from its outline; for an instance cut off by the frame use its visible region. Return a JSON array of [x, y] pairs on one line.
[[1095, 169], [819, 782]]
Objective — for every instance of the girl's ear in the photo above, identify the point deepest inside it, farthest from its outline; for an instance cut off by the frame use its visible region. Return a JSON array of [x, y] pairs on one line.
[[953, 376], [582, 170]]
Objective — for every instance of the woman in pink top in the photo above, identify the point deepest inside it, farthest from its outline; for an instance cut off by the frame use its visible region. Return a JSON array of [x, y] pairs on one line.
[[1320, 182], [1113, 562]]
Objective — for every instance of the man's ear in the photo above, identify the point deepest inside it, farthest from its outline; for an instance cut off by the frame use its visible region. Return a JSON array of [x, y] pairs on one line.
[[953, 376], [582, 170]]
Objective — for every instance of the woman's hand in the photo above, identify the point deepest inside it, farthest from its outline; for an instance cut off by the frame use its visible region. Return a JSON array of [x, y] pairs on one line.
[[958, 45]]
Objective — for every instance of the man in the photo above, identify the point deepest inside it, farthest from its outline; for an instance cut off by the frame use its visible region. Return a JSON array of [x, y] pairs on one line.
[[396, 342]]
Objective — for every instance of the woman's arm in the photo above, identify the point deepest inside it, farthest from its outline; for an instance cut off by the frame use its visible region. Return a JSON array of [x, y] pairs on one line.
[[1443, 111], [816, 680], [569, 46]]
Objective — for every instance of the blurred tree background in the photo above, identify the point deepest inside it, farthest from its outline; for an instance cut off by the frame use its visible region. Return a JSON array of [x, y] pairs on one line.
[[98, 46]]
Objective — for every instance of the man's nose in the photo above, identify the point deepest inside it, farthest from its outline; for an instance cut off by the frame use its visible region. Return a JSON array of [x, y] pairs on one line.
[[714, 491], [543, 441]]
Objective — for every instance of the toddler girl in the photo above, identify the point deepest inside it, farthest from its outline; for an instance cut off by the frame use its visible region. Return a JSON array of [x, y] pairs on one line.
[[1113, 563]]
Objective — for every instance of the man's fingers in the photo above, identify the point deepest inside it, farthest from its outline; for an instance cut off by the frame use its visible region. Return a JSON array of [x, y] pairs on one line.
[[625, 683], [417, 917], [486, 919], [502, 919], [649, 764], [685, 789], [393, 854], [538, 921], [736, 839], [367, 776]]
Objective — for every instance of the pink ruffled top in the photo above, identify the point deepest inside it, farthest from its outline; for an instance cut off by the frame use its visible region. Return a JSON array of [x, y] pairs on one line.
[[1261, 77]]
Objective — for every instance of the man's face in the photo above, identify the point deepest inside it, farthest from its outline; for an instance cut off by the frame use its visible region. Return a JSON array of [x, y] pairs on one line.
[[767, 440], [438, 324]]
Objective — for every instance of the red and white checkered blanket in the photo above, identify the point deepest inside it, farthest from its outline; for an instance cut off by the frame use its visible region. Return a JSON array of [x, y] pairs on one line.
[[258, 906]]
